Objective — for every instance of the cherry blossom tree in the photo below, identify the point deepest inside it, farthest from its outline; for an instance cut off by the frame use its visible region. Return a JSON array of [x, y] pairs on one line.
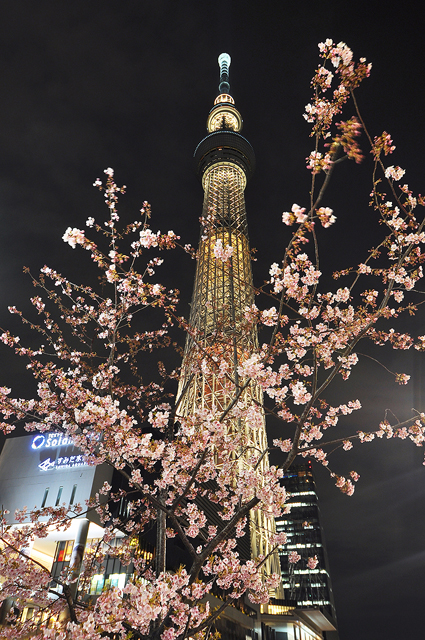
[[92, 385]]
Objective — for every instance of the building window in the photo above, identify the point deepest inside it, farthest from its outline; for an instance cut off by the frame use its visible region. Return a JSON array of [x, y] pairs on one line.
[[74, 489], [97, 583], [64, 550], [58, 496], [27, 614], [46, 493]]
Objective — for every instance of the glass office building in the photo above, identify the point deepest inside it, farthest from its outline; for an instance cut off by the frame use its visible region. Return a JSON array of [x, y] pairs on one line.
[[305, 587]]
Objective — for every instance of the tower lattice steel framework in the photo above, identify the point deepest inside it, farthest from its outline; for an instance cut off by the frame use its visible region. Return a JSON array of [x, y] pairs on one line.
[[222, 292]]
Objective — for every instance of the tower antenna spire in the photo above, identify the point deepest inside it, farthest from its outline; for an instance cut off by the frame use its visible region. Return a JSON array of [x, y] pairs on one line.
[[224, 61]]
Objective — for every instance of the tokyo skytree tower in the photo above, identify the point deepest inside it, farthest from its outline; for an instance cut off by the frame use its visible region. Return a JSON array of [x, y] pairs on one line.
[[223, 290]]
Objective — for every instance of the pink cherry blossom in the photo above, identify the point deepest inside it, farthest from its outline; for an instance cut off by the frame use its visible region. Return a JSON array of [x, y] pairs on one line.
[[222, 253], [312, 562], [294, 557], [73, 237], [269, 317], [317, 162], [326, 217], [402, 378], [396, 173]]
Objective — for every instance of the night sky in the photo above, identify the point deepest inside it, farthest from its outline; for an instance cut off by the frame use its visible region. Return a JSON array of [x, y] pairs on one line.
[[86, 85]]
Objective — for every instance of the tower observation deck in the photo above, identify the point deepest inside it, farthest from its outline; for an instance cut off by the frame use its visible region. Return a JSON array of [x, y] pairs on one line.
[[223, 290]]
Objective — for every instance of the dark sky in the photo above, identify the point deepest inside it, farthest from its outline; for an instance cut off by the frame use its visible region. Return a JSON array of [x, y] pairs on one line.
[[87, 85]]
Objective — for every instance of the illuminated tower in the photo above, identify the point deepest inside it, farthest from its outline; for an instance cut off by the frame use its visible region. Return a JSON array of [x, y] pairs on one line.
[[223, 290]]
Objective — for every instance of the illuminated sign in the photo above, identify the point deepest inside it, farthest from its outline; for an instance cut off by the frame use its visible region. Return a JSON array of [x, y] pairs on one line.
[[50, 440], [53, 441], [66, 462]]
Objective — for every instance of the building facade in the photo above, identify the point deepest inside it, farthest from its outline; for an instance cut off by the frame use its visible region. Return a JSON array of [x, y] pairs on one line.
[[47, 470], [307, 588]]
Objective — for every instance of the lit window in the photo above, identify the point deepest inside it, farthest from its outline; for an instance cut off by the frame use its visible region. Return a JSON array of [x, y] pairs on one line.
[[302, 493], [117, 580], [299, 504], [97, 583], [64, 550]]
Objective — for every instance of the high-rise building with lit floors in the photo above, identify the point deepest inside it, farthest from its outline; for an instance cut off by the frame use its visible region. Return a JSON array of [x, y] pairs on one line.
[[305, 587]]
